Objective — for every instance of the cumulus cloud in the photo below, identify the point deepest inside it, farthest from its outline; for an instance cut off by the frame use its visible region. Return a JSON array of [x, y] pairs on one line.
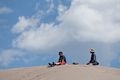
[[93, 24], [61, 9], [86, 21], [24, 24], [44, 37], [48, 8], [10, 55], [51, 7], [5, 10], [81, 21]]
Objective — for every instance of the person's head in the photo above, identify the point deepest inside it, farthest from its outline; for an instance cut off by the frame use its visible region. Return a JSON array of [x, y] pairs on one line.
[[60, 53], [92, 51]]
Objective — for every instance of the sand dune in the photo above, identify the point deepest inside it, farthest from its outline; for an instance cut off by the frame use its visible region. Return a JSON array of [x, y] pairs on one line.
[[65, 72]]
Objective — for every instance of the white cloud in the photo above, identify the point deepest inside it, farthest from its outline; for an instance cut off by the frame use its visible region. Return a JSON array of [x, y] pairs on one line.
[[24, 23], [51, 7], [47, 9], [7, 56], [92, 24], [5, 10], [86, 21], [44, 37], [61, 9]]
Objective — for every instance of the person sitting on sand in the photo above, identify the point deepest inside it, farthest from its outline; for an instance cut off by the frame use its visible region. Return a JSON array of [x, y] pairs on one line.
[[93, 58], [61, 61]]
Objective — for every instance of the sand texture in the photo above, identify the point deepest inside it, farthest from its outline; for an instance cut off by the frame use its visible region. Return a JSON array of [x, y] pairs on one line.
[[64, 72]]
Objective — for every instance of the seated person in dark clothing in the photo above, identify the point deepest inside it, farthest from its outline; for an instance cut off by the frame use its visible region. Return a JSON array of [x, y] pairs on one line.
[[61, 61], [93, 58]]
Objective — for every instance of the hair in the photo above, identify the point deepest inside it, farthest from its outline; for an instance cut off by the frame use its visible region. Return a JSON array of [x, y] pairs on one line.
[[60, 52]]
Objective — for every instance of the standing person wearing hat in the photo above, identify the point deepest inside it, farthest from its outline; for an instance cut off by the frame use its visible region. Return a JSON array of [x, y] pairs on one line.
[[93, 58]]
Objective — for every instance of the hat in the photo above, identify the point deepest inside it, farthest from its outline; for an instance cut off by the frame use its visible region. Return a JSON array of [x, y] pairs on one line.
[[92, 50]]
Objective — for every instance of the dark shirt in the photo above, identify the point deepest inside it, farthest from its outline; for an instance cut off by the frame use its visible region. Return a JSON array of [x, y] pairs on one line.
[[62, 58], [93, 58]]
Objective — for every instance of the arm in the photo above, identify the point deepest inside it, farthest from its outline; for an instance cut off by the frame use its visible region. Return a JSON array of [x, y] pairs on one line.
[[94, 57], [65, 59], [60, 59]]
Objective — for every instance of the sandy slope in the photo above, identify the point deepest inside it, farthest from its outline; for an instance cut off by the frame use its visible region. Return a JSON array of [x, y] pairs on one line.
[[65, 72]]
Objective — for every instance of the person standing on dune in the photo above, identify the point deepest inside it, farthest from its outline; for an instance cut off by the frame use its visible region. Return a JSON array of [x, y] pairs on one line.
[[93, 58]]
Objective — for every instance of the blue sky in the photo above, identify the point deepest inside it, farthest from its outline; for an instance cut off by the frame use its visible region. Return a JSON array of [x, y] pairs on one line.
[[32, 32]]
